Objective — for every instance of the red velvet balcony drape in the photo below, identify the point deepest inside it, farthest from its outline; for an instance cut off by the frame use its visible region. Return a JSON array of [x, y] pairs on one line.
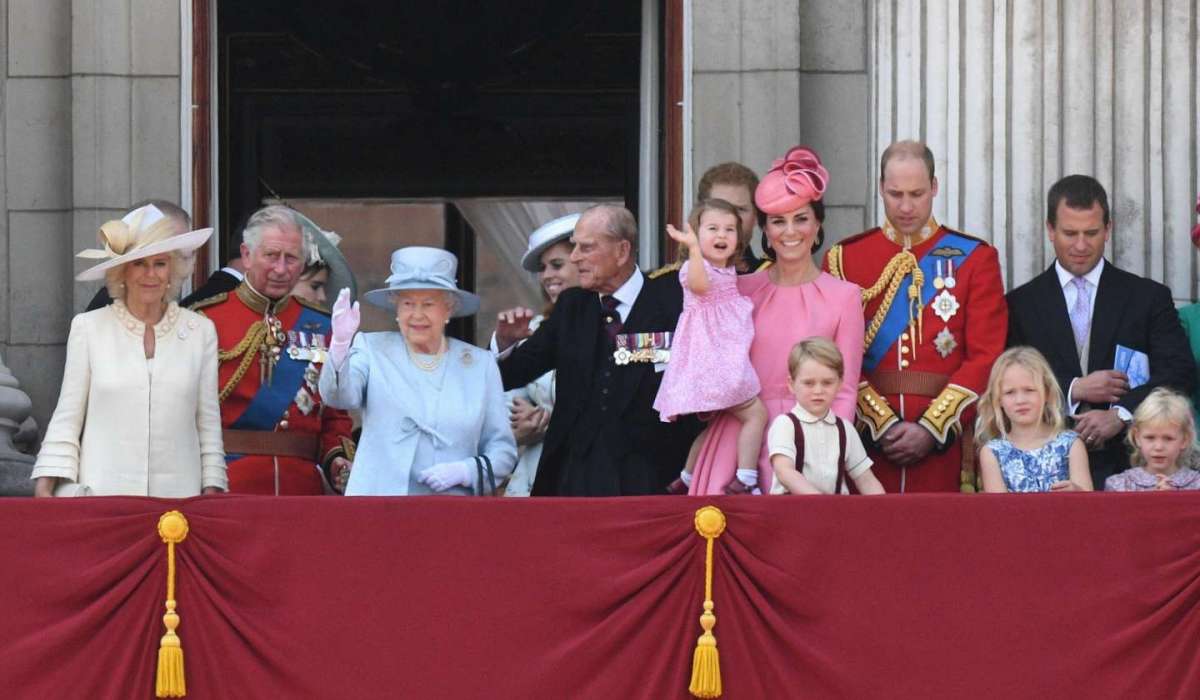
[[1054, 595]]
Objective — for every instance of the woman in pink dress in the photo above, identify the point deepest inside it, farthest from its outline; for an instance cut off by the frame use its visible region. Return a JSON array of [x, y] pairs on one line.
[[793, 300]]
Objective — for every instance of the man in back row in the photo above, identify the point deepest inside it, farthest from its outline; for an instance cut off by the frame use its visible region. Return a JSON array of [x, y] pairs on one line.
[[1082, 309]]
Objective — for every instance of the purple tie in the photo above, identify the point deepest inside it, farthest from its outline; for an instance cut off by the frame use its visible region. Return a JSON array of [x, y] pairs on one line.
[[611, 318], [1081, 318]]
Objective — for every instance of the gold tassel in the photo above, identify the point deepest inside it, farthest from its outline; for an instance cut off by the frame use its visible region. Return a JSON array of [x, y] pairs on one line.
[[173, 529], [706, 664]]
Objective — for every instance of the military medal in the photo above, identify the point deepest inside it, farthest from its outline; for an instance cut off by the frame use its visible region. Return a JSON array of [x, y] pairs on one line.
[[945, 305], [643, 347], [938, 281], [945, 343], [950, 281]]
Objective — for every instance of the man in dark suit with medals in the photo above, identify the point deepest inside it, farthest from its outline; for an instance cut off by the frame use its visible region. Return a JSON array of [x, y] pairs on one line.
[[608, 339], [1081, 310]]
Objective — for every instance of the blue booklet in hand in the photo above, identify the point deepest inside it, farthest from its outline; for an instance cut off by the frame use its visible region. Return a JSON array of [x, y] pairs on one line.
[[1134, 363]]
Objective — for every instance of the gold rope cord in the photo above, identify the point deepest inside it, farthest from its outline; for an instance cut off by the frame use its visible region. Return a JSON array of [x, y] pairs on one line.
[[246, 349], [893, 274]]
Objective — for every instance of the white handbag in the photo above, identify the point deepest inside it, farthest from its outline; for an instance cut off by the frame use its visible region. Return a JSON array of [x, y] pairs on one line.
[[66, 489]]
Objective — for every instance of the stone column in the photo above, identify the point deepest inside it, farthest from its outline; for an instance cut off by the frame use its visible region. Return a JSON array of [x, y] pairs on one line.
[[15, 407], [1012, 96]]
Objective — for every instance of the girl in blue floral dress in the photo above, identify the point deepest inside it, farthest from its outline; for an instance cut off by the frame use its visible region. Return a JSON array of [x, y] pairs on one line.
[[1026, 447]]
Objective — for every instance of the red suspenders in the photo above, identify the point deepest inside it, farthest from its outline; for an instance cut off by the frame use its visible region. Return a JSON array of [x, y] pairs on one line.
[[841, 464]]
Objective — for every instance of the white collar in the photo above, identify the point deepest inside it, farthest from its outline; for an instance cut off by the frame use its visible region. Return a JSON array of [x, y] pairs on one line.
[[627, 293], [806, 417], [1065, 277], [233, 272]]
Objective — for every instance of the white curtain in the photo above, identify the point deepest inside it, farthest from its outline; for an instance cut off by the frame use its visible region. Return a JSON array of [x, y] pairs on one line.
[[507, 223]]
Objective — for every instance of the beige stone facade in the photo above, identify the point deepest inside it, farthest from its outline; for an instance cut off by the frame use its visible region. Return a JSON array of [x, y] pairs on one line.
[[91, 124]]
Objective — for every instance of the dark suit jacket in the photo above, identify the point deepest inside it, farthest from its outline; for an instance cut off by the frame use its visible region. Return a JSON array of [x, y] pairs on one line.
[[218, 282], [646, 453], [1129, 310]]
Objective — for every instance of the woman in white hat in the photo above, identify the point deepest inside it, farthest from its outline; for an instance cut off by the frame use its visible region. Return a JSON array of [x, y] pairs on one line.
[[433, 417], [138, 412], [549, 255]]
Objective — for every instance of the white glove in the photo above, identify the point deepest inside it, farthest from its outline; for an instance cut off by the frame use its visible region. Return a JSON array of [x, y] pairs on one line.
[[345, 320], [447, 475]]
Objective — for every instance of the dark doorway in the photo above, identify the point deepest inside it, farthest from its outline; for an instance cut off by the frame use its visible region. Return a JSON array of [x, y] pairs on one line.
[[362, 100]]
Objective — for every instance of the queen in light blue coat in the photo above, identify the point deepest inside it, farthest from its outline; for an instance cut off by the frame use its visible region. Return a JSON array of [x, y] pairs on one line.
[[433, 416]]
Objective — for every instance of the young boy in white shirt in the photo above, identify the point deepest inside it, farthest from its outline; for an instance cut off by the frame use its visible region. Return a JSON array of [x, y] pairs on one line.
[[831, 452]]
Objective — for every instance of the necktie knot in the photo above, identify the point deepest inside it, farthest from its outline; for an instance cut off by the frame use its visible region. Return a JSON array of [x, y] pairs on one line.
[[1081, 284], [610, 317]]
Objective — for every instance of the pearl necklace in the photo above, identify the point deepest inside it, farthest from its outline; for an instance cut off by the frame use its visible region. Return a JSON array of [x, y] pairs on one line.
[[428, 365], [137, 327]]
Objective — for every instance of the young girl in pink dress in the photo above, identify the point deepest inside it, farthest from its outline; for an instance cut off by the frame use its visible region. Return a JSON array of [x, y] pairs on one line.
[[710, 367]]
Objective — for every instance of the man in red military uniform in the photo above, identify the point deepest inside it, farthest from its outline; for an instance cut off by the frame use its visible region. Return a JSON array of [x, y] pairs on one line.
[[936, 320], [271, 348]]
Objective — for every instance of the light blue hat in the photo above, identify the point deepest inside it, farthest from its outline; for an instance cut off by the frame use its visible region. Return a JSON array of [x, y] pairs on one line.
[[421, 267], [546, 235]]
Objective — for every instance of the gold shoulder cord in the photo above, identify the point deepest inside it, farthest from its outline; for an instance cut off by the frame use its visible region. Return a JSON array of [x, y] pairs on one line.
[[834, 260], [893, 274], [253, 339]]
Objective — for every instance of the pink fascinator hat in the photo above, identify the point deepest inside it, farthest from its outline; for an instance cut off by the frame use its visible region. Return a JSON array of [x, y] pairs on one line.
[[793, 181], [1196, 228]]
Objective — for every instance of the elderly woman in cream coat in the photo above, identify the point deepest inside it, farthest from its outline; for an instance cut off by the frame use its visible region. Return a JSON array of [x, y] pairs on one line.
[[434, 421], [137, 413]]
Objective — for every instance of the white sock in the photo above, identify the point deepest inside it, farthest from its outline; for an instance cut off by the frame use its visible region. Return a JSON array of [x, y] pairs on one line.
[[686, 477]]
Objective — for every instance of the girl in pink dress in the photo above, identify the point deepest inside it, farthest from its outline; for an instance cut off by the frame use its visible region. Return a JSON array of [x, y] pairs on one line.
[[710, 350], [793, 300]]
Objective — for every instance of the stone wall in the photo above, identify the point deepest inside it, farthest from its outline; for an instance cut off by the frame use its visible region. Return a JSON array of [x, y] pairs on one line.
[[91, 120], [768, 74]]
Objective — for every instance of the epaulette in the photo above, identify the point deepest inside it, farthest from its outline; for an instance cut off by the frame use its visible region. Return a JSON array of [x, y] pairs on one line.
[[209, 301], [967, 235], [673, 267], [311, 305], [857, 237]]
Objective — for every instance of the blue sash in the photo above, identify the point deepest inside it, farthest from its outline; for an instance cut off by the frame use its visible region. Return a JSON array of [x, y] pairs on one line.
[[952, 247], [268, 405]]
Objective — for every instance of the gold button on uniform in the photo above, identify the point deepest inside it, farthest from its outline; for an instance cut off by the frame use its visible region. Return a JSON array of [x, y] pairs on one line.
[[903, 363], [903, 349]]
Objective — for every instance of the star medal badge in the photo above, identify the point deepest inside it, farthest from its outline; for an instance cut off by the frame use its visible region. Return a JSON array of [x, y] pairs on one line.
[[652, 347], [311, 376], [945, 305], [304, 401], [945, 343]]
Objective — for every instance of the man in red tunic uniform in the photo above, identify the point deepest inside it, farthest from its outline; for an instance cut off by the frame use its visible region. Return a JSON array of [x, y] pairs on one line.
[[936, 321], [271, 348]]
